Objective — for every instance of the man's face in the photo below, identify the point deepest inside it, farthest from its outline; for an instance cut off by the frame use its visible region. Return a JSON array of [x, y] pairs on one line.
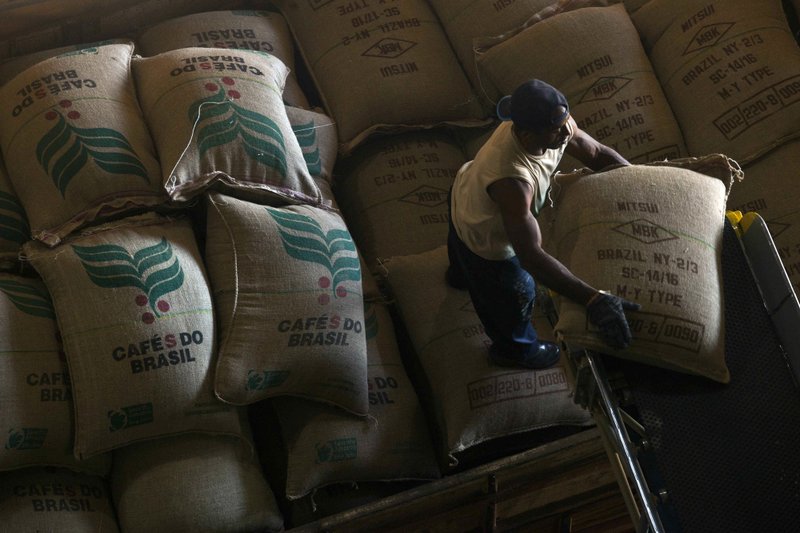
[[549, 139]]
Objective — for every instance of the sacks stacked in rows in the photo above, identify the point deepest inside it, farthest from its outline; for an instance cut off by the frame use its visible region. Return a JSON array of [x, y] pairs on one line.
[[613, 91], [730, 69], [408, 76]]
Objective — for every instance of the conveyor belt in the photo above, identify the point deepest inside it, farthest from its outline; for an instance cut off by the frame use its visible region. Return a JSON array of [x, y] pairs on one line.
[[722, 457]]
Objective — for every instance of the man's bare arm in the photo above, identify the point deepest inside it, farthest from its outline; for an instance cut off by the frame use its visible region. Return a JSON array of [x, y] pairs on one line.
[[514, 198], [591, 152]]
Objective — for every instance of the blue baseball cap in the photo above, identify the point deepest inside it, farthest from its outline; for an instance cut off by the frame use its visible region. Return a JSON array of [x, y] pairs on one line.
[[534, 105]]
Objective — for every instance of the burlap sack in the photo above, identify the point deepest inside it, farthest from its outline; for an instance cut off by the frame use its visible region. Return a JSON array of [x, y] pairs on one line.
[[730, 69], [287, 290], [770, 189], [393, 192], [217, 118], [192, 483], [141, 355], [37, 416], [613, 91], [381, 68], [75, 143], [261, 31], [11, 67], [43, 24], [55, 499], [467, 21], [651, 234], [14, 228], [326, 447], [474, 401], [316, 135]]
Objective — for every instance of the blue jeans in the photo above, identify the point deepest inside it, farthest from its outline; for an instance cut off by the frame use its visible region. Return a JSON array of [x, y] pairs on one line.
[[502, 293]]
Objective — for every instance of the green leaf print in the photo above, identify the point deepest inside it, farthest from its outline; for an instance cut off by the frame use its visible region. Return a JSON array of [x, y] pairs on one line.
[[28, 298], [370, 321], [13, 222], [65, 150], [304, 239], [154, 270], [307, 137], [223, 122]]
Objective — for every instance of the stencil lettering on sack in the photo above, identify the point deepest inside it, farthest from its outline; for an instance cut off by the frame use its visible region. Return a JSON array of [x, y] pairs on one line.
[[516, 386], [61, 392], [73, 498], [216, 64], [664, 329], [604, 88], [763, 104], [159, 346], [381, 390], [50, 85], [240, 39]]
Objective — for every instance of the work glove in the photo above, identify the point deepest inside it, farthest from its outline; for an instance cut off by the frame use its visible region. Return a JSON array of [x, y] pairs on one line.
[[607, 312]]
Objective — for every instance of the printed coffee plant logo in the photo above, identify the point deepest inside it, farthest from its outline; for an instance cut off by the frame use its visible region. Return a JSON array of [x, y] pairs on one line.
[[30, 299], [66, 149], [307, 137], [304, 239], [225, 122], [13, 222], [154, 270]]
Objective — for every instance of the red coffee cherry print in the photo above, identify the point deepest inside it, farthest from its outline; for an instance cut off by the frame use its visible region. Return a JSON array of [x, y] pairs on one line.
[[141, 300], [211, 87], [65, 103], [148, 318], [228, 81], [324, 282], [324, 299], [234, 94], [73, 115], [51, 115], [341, 292], [163, 306]]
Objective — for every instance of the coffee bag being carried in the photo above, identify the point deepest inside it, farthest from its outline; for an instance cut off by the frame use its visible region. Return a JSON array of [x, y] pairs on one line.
[[261, 31], [36, 420], [651, 234], [287, 289], [75, 144], [473, 401], [612, 89], [218, 119], [730, 70], [141, 356]]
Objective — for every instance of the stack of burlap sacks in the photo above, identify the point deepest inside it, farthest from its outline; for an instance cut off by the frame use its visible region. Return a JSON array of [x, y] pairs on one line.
[[237, 297]]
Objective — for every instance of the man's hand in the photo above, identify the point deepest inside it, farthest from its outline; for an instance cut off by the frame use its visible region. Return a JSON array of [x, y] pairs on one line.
[[607, 312]]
